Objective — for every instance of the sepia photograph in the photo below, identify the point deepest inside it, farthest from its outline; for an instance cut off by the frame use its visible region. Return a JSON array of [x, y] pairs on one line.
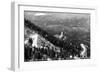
[[50, 36]]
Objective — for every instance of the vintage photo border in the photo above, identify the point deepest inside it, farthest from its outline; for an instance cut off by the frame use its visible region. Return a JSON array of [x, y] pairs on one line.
[[16, 62]]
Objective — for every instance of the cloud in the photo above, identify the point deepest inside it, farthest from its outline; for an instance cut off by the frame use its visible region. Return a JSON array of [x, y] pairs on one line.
[[40, 14]]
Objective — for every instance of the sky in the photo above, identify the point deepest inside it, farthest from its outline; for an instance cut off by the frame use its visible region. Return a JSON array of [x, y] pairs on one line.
[[58, 21]]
